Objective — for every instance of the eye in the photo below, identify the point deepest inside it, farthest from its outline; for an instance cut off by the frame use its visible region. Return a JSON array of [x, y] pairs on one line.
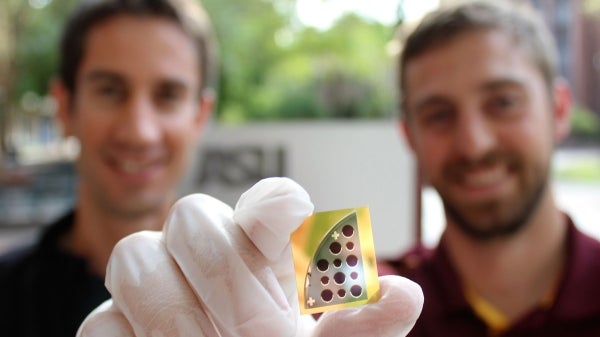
[[168, 95], [111, 91], [504, 104], [437, 117]]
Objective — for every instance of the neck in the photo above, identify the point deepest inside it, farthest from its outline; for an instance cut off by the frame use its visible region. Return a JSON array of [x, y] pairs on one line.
[[516, 273], [96, 231]]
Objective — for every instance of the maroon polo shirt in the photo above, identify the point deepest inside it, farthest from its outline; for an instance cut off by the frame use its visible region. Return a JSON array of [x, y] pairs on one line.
[[446, 312]]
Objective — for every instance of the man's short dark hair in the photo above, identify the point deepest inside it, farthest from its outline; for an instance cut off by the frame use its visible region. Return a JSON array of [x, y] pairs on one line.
[[188, 14], [520, 22]]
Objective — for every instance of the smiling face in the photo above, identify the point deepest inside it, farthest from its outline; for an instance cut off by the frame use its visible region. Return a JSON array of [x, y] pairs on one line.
[[482, 123], [136, 113]]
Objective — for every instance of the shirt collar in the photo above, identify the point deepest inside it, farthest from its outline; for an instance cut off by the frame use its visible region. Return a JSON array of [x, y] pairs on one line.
[[578, 294]]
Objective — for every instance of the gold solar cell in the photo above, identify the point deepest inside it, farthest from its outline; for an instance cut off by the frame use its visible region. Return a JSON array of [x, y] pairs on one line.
[[334, 257]]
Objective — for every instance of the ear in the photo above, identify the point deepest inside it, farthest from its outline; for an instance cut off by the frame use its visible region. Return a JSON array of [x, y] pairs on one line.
[[62, 97], [206, 104], [563, 104], [404, 131]]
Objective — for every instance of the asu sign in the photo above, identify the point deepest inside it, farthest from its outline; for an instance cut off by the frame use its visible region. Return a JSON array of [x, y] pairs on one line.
[[239, 165], [340, 164]]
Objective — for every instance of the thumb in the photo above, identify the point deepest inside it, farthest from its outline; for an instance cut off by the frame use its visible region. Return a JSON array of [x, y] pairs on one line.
[[393, 315]]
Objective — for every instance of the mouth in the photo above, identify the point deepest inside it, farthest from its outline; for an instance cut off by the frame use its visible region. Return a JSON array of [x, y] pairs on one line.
[[135, 171], [132, 167], [483, 182], [484, 177]]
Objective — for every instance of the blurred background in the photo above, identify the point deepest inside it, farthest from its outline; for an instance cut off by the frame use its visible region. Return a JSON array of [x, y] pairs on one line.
[[306, 90]]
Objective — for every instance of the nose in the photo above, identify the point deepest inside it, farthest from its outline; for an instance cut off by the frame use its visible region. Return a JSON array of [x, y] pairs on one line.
[[138, 124], [474, 136]]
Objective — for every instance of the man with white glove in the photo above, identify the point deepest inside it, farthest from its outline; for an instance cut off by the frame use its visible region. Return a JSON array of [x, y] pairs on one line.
[[214, 271]]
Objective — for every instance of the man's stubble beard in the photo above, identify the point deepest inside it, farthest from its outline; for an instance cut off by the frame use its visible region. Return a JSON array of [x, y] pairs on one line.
[[510, 225]]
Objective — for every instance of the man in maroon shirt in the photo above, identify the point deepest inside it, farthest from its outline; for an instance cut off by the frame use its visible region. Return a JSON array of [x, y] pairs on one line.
[[483, 109]]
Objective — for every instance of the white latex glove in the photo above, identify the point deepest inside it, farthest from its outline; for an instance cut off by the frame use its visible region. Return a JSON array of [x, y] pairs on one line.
[[218, 272]]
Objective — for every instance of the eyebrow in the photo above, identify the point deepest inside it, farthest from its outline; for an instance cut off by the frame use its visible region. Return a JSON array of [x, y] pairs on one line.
[[173, 83], [501, 83], [430, 101], [489, 86], [107, 75], [103, 75]]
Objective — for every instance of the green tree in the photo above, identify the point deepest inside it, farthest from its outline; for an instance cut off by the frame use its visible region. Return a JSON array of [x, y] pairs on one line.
[[273, 68], [246, 30], [351, 70], [12, 21], [585, 125], [29, 33]]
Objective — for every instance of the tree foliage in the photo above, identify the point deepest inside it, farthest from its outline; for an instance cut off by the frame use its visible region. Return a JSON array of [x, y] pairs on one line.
[[28, 58], [273, 68], [585, 125]]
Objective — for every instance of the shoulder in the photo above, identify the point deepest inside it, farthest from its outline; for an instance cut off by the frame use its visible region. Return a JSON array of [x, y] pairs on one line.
[[16, 257], [17, 263], [411, 264], [430, 268], [23, 263], [582, 247], [584, 255], [18, 276]]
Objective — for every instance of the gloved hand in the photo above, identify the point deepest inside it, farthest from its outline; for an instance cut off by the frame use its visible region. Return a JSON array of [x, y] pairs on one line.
[[218, 272]]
